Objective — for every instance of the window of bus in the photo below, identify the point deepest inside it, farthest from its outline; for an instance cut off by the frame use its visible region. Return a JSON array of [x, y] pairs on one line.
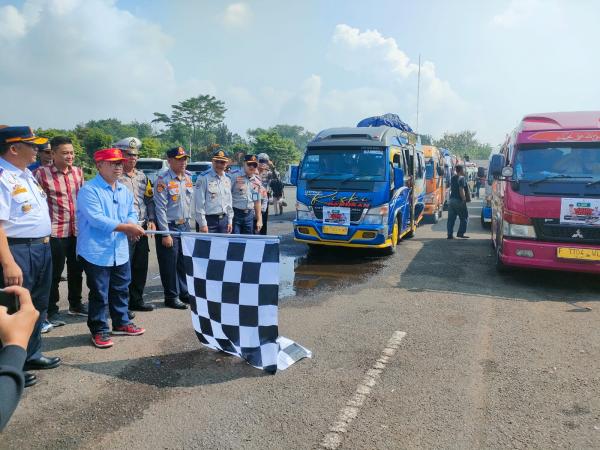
[[557, 160], [344, 163]]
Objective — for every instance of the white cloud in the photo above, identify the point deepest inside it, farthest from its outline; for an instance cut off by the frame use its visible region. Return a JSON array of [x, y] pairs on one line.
[[12, 23], [237, 14], [520, 12], [80, 59]]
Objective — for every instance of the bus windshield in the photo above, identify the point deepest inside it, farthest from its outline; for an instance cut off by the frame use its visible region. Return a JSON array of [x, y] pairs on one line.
[[344, 163], [557, 161]]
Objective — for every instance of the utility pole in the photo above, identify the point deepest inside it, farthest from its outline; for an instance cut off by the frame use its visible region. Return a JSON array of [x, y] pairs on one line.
[[418, 91]]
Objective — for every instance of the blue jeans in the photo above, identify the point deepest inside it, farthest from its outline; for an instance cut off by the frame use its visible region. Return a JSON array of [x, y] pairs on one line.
[[457, 208], [171, 266], [243, 221], [216, 225], [35, 260], [108, 285]]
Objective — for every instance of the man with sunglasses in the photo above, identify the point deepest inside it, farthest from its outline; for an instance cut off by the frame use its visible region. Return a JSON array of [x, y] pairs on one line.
[[25, 220], [214, 209], [173, 209], [246, 198], [140, 187], [44, 157], [107, 218]]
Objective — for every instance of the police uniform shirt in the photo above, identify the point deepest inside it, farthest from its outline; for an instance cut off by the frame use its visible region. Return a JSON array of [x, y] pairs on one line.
[[213, 196], [141, 188], [172, 199], [23, 206], [244, 190]]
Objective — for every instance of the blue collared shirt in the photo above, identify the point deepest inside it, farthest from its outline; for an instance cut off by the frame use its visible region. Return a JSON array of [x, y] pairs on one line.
[[99, 210]]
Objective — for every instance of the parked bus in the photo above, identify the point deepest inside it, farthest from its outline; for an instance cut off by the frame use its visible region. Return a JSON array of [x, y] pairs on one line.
[[546, 194], [354, 188], [435, 189]]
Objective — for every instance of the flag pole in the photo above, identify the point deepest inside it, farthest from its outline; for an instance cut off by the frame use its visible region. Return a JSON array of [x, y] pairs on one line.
[[221, 235]]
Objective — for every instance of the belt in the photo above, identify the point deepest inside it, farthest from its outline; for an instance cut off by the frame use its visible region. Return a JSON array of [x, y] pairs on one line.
[[179, 222], [243, 210], [219, 216], [28, 241]]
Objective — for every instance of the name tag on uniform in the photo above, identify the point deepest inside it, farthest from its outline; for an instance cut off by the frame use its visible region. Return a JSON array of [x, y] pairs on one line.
[[255, 196]]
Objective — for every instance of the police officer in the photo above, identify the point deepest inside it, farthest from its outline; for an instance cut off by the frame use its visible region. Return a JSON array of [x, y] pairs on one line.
[[246, 198], [173, 202], [214, 210], [25, 219], [139, 185]]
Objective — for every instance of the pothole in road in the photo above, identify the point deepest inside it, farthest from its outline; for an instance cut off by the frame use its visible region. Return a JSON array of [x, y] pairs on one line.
[[308, 274]]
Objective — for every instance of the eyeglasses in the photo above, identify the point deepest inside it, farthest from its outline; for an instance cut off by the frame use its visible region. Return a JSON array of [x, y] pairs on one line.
[[263, 161], [253, 165], [131, 155], [115, 163], [219, 162]]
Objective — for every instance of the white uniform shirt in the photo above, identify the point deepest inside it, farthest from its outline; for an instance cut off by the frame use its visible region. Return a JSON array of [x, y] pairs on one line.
[[23, 206]]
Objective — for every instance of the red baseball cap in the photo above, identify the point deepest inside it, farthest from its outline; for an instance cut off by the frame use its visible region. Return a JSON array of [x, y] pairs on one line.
[[109, 154]]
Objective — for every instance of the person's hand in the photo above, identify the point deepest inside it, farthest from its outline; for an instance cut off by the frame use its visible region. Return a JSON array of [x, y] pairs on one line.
[[135, 232], [229, 228], [15, 329], [167, 241], [13, 275], [203, 229], [151, 226], [258, 225]]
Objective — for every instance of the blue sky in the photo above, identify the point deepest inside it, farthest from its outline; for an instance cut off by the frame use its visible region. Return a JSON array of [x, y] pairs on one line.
[[312, 63]]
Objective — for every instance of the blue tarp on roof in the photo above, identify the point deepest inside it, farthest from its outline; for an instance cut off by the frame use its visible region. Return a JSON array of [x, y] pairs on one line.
[[390, 120]]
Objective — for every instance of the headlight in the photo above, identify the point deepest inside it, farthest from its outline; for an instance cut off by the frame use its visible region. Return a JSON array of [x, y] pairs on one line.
[[303, 212], [376, 216], [520, 231]]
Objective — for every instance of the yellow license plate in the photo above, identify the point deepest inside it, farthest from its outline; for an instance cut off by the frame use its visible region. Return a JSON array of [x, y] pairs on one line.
[[331, 229], [588, 254]]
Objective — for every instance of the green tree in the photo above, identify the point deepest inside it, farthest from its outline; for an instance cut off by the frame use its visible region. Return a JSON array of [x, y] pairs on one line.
[[153, 148], [93, 139], [297, 134], [194, 119], [282, 151], [81, 158], [464, 143]]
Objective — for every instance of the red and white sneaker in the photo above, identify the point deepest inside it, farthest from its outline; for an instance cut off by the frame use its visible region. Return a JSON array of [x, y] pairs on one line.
[[102, 340], [128, 330]]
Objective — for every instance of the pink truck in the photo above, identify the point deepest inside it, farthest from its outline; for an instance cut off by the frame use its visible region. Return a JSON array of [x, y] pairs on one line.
[[546, 194]]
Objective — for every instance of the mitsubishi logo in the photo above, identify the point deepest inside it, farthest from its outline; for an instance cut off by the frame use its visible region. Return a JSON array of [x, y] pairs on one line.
[[578, 234]]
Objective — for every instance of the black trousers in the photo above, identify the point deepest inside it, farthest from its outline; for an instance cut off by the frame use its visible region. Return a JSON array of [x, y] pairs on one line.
[[35, 260], [65, 249], [138, 262], [171, 266]]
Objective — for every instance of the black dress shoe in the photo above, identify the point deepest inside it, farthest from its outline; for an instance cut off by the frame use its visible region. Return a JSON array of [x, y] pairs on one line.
[[185, 300], [141, 307], [462, 236], [131, 315], [42, 363], [30, 379], [175, 304]]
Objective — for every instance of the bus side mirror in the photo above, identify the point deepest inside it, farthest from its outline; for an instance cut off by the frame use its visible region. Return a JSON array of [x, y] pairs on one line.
[[294, 175], [497, 163], [398, 178]]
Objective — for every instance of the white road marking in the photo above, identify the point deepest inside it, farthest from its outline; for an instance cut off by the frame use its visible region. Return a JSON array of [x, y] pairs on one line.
[[333, 439]]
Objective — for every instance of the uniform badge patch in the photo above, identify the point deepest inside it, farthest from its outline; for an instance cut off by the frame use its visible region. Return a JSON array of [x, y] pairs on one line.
[[26, 208]]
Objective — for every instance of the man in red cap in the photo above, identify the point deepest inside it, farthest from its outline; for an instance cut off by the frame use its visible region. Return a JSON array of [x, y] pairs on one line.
[[106, 218]]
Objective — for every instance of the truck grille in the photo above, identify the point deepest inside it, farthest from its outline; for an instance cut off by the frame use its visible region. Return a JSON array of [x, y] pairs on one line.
[[355, 213], [555, 232]]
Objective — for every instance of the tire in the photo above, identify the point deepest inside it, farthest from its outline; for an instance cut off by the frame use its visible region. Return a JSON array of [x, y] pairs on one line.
[[395, 238], [500, 266], [435, 218]]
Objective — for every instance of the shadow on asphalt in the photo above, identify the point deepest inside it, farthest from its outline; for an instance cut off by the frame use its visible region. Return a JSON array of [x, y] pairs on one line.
[[186, 369], [467, 267], [52, 343]]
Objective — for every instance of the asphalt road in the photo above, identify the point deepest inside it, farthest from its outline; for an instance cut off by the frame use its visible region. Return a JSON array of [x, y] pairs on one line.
[[429, 348]]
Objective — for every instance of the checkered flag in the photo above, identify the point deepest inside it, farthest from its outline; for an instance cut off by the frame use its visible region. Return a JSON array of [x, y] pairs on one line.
[[235, 285]]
